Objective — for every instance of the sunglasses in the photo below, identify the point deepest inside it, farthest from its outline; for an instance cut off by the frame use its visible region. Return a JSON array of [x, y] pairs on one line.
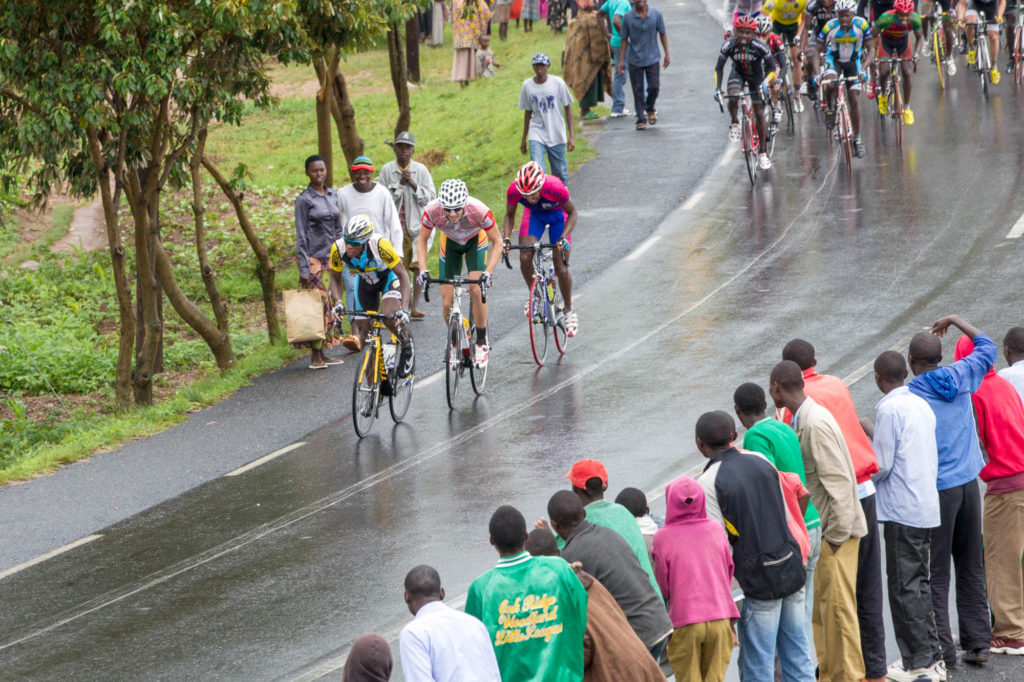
[[352, 243]]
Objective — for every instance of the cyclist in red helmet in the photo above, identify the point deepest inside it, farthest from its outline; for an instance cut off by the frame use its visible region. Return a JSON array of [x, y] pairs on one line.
[[548, 207], [893, 29]]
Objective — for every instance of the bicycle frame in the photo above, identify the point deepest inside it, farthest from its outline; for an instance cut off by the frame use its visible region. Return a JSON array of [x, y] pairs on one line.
[[844, 124], [749, 139], [457, 332], [546, 315]]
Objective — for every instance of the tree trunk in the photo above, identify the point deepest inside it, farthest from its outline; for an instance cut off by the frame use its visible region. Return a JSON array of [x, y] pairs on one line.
[[345, 119], [148, 293], [220, 310], [399, 77], [266, 268], [125, 346], [412, 49]]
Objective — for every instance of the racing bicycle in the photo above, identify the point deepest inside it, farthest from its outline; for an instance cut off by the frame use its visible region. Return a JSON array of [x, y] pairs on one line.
[[545, 309], [982, 59], [844, 124], [893, 93], [1016, 46], [748, 133], [458, 347], [935, 44]]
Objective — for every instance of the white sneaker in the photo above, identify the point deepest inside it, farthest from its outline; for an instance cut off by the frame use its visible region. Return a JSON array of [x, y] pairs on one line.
[[480, 356], [572, 324], [764, 162], [620, 114], [777, 116], [798, 104], [734, 132], [950, 66], [897, 673]]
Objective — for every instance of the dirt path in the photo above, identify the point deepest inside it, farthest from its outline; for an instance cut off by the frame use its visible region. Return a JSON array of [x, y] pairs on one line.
[[87, 231]]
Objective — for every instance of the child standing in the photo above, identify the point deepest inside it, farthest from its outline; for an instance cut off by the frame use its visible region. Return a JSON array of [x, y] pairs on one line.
[[485, 63], [693, 566]]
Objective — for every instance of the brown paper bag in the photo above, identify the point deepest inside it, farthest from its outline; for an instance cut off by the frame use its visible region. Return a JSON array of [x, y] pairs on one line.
[[304, 315]]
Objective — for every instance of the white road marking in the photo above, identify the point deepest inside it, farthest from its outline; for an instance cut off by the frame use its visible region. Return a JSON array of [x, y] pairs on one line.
[[868, 367], [429, 380], [642, 249], [49, 555], [693, 201], [728, 157], [1017, 231], [266, 458]]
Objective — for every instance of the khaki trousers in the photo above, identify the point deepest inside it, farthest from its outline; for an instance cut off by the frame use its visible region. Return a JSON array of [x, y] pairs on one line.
[[1002, 521], [700, 652], [834, 620]]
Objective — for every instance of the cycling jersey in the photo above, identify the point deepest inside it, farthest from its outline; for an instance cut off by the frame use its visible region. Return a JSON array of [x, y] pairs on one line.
[[476, 217], [889, 27], [375, 270], [845, 45], [819, 14], [785, 11], [547, 213], [778, 49], [750, 60]]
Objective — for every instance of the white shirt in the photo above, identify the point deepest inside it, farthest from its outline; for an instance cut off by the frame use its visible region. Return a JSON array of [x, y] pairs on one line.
[[378, 204], [908, 460], [546, 101], [1015, 375], [444, 645]]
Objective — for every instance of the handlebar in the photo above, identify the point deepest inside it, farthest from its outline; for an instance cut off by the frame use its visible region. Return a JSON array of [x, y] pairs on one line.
[[454, 281], [340, 311], [536, 247]]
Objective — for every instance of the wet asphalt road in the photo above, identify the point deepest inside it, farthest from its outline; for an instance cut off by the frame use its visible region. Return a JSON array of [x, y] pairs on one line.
[[272, 573]]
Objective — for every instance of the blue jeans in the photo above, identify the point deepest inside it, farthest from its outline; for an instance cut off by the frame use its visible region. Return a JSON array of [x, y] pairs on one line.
[[812, 561], [556, 156], [770, 626], [618, 83]]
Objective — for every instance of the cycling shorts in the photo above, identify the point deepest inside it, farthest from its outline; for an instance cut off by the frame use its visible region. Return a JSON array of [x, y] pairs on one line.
[[880, 7], [926, 7], [474, 252], [846, 69], [753, 82], [370, 294], [788, 32], [989, 8], [536, 222], [894, 48]]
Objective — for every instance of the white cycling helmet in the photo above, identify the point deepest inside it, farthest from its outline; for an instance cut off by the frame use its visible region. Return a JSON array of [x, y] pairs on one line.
[[452, 194], [846, 5], [764, 24], [358, 229]]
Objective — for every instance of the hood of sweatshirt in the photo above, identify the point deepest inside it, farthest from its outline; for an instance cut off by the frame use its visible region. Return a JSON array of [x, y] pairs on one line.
[[684, 501], [964, 347], [937, 384]]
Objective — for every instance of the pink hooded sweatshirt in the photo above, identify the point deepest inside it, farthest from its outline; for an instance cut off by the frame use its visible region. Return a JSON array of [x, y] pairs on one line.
[[692, 558]]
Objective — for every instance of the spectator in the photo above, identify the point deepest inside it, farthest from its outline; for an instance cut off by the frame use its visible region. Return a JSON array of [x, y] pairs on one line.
[[833, 488], [545, 101], [412, 188], [779, 444], [366, 197], [615, 10], [441, 643], [529, 14], [469, 22], [534, 608], [317, 226], [587, 68], [831, 393], [743, 493], [1013, 350], [947, 391], [908, 507], [697, 585], [500, 14], [1000, 416], [369, 660], [558, 15], [611, 650], [604, 554], [438, 18], [640, 29], [634, 500], [485, 63]]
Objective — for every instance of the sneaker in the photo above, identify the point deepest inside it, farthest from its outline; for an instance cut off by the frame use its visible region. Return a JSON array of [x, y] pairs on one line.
[[777, 116], [798, 105], [803, 89], [883, 105], [940, 670], [480, 356], [620, 114], [908, 116], [897, 673], [994, 76], [972, 57], [871, 88], [406, 360], [352, 342], [1005, 645], [763, 162], [572, 324], [951, 67], [926, 49], [976, 656], [860, 151], [734, 132]]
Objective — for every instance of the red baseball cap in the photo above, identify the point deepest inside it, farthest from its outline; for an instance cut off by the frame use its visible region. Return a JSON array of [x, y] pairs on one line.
[[584, 470]]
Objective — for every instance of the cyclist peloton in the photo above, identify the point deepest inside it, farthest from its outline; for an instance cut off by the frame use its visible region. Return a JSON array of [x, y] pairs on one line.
[[467, 231], [785, 16], [845, 40], [817, 14], [546, 199], [994, 14], [752, 63], [893, 31], [778, 48], [382, 284]]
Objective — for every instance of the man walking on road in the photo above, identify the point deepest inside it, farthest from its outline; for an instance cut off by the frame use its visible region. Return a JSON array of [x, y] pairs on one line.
[[640, 31], [616, 9], [833, 488], [547, 114], [442, 643], [947, 390]]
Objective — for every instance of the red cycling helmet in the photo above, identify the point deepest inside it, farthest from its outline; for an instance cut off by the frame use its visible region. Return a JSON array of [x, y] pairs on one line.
[[744, 21], [530, 178], [903, 6]]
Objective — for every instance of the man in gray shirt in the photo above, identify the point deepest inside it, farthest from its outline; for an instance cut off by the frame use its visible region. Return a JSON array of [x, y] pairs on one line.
[[543, 100], [641, 28]]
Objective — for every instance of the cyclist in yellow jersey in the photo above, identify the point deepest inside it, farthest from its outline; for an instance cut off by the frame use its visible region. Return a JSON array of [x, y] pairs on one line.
[[787, 16]]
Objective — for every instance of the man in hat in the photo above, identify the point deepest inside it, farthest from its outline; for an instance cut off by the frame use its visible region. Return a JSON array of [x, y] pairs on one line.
[[412, 188], [372, 199], [547, 114]]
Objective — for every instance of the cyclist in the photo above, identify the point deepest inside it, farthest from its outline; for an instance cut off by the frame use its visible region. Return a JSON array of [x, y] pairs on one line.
[[846, 39], [740, 8], [817, 14], [775, 44], [994, 16], [785, 16], [546, 199], [927, 8], [467, 231], [893, 31], [1010, 21], [752, 64], [382, 282]]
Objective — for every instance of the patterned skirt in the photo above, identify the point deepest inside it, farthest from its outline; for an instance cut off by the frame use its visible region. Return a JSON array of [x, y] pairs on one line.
[[531, 10]]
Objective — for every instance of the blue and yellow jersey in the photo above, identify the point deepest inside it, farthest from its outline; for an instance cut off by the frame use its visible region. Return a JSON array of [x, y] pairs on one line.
[[845, 45], [378, 257]]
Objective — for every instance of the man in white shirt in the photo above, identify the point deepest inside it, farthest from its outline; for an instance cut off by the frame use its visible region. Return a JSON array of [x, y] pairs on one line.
[[441, 644], [547, 118], [1013, 351]]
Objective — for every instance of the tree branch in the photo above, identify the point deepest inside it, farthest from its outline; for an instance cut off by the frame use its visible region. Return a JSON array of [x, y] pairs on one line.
[[4, 92]]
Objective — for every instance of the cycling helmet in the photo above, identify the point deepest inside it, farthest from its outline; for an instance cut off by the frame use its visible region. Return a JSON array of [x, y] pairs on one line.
[[744, 21], [764, 23], [530, 178], [453, 194], [358, 229], [903, 6], [846, 5]]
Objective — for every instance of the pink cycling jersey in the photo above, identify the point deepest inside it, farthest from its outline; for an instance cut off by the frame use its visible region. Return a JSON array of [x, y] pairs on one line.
[[475, 217]]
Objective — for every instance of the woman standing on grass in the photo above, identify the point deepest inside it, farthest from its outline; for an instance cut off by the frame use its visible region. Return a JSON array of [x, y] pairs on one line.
[[317, 226], [469, 22], [588, 59], [529, 14]]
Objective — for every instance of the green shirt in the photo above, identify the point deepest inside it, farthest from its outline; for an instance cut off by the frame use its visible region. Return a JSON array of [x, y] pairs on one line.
[[779, 444], [622, 521], [535, 609], [615, 8]]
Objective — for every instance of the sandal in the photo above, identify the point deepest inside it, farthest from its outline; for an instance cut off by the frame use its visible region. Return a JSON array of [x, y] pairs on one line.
[[641, 125], [652, 117]]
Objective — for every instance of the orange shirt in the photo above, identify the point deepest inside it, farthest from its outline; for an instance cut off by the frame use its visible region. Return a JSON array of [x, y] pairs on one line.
[[831, 393]]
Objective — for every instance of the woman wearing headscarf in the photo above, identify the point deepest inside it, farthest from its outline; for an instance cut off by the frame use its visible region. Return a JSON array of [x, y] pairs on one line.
[[369, 660], [469, 22], [588, 59]]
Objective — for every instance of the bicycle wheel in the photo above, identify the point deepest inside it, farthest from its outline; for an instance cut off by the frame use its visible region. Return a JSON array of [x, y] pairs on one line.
[[477, 375], [539, 328], [401, 391], [558, 325], [983, 65], [787, 93], [897, 112], [452, 362], [846, 133], [1018, 55], [365, 390], [940, 61], [749, 153]]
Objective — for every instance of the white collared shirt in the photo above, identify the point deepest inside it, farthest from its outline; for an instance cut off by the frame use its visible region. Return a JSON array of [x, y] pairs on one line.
[[1015, 375], [444, 645]]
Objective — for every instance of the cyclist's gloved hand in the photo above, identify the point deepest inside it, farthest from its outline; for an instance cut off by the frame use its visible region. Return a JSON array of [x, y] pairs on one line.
[[402, 317], [338, 310], [563, 244], [506, 245], [863, 75], [485, 280], [421, 279], [717, 95]]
